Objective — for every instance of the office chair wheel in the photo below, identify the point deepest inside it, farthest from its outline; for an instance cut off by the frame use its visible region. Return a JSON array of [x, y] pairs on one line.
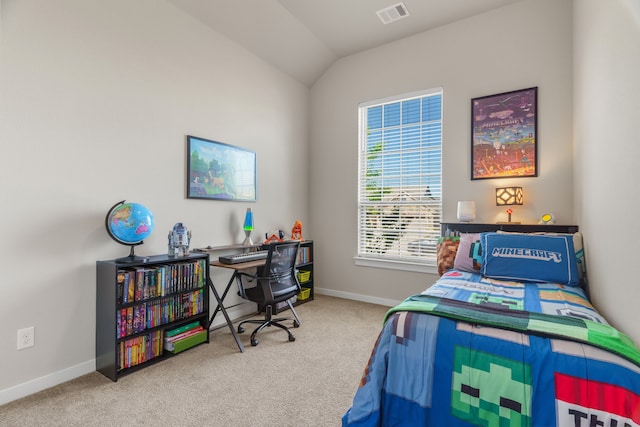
[[291, 337], [240, 329], [296, 324], [254, 342]]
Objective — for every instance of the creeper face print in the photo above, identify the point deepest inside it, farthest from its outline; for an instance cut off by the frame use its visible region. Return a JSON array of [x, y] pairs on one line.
[[475, 253], [490, 390]]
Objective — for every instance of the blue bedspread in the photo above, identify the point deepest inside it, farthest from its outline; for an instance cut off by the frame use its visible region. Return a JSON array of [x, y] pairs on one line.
[[548, 365]]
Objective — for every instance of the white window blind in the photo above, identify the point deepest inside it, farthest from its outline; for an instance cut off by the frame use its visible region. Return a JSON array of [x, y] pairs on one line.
[[400, 176]]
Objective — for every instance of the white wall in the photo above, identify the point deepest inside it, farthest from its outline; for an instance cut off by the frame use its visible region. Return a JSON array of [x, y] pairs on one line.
[[96, 100], [607, 88], [96, 97], [522, 45]]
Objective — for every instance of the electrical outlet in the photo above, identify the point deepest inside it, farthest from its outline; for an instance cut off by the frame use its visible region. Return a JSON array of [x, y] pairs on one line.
[[26, 337]]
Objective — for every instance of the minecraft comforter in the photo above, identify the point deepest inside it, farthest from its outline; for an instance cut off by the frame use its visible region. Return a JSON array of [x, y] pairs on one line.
[[473, 351]]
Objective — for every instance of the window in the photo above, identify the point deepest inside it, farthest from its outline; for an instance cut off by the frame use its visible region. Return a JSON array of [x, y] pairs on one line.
[[400, 176]]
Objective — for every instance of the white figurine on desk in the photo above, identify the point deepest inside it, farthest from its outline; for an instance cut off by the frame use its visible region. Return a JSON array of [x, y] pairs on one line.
[[179, 239]]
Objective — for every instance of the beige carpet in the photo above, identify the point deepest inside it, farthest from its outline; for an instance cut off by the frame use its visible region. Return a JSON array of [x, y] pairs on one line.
[[309, 382]]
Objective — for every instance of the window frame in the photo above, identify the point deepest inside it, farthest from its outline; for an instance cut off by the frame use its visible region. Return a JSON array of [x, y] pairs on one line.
[[422, 263]]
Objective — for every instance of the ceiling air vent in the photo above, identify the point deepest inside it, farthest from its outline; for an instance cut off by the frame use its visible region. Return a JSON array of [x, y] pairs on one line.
[[393, 13]]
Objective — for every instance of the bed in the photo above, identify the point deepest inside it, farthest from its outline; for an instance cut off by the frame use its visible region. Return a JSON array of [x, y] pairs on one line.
[[505, 337]]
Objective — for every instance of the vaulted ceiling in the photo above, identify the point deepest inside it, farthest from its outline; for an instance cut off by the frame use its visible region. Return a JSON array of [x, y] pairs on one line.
[[303, 38]]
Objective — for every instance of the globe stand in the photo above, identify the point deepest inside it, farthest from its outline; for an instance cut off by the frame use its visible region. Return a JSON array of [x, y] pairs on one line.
[[133, 258]]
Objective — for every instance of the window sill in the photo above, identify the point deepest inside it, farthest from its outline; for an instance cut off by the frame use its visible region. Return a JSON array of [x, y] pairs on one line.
[[395, 265]]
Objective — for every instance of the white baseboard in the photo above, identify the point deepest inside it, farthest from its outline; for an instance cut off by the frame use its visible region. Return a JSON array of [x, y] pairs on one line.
[[55, 378], [357, 297], [38, 384]]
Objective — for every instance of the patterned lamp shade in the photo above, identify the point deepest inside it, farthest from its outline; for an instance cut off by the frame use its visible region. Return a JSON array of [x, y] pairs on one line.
[[509, 196]]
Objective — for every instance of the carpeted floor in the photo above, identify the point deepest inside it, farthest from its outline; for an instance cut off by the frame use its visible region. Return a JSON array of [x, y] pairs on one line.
[[309, 382]]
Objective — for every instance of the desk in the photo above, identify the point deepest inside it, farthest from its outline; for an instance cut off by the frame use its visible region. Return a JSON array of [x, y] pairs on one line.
[[220, 299]]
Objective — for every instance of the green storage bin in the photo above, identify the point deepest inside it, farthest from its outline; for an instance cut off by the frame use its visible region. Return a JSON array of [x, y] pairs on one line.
[[188, 342]]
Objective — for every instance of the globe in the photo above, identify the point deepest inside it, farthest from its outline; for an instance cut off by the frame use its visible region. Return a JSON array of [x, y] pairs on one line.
[[129, 224]]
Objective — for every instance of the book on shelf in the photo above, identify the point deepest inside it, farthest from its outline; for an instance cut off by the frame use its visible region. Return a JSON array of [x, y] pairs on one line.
[[304, 255], [125, 290], [183, 335], [181, 329], [140, 349], [148, 315], [139, 314], [129, 320], [178, 339], [142, 283], [120, 286], [130, 282]]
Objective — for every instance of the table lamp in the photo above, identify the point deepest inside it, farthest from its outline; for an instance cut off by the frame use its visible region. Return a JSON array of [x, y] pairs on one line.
[[509, 196], [466, 211], [248, 227]]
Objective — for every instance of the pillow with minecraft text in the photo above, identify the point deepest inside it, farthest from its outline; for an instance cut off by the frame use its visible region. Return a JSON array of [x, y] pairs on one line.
[[532, 258]]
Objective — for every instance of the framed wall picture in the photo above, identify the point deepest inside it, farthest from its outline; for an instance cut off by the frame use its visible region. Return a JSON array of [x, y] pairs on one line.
[[504, 135], [219, 171]]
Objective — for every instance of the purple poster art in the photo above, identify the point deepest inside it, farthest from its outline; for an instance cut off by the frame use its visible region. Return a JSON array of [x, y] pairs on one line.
[[504, 135]]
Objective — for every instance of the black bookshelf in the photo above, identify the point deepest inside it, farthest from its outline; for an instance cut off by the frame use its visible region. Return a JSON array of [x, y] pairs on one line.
[[168, 293], [304, 266]]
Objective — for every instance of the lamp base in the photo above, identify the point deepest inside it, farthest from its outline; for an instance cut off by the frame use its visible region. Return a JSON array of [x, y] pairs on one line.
[[510, 222], [247, 240]]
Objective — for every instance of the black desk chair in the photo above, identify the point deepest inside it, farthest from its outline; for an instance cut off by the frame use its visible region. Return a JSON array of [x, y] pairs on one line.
[[274, 284]]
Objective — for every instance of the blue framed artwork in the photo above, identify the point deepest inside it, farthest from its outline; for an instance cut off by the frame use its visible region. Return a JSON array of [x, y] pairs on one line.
[[219, 171]]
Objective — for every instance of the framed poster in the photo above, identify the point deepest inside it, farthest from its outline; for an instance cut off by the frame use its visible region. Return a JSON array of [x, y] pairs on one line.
[[504, 135], [219, 171]]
